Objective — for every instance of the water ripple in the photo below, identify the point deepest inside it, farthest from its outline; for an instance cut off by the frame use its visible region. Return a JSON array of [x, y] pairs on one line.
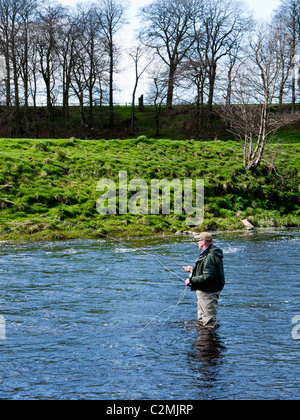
[[73, 311]]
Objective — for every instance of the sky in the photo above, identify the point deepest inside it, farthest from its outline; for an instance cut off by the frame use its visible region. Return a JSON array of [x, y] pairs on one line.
[[124, 80], [262, 9]]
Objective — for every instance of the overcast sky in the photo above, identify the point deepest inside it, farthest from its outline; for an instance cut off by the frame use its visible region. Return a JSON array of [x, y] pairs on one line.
[[261, 8]]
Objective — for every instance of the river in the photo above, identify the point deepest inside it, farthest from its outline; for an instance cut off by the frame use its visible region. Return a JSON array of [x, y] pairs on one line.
[[76, 320]]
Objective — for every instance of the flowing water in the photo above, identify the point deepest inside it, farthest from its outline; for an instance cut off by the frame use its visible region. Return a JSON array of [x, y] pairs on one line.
[[76, 320]]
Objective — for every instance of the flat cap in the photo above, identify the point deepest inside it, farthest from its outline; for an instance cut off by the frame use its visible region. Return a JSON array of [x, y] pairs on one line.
[[204, 236]]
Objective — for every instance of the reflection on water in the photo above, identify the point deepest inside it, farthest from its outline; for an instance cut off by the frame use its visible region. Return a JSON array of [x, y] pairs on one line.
[[205, 358], [208, 348], [77, 321]]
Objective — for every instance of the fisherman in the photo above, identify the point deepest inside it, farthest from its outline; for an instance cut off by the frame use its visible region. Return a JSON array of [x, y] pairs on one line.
[[207, 278]]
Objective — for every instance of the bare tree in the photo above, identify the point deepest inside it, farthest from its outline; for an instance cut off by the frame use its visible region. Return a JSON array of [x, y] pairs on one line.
[[194, 77], [2, 80], [220, 29], [49, 29], [158, 92], [87, 64], [137, 54], [79, 85], [28, 15], [286, 55], [10, 24], [289, 14], [235, 59], [7, 10], [254, 119], [168, 30], [70, 31], [110, 18], [33, 71], [15, 19]]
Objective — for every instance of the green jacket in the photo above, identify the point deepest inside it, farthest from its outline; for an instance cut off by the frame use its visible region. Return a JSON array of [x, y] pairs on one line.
[[208, 273]]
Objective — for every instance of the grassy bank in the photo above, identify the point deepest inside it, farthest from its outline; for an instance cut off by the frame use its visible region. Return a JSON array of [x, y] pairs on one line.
[[48, 187], [178, 123]]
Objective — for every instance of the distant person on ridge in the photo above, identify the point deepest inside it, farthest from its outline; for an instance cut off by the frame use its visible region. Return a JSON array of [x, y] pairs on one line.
[[207, 278]]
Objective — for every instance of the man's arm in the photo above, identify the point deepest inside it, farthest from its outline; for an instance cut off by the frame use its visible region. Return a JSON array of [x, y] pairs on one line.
[[208, 274]]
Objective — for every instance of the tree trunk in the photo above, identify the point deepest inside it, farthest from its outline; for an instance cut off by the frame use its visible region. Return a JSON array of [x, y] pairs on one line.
[[132, 106], [17, 99], [229, 85], [50, 110], [212, 79], [111, 90], [7, 80], [169, 103]]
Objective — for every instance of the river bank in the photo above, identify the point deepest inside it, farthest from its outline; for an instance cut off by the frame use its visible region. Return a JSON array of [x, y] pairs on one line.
[[48, 187]]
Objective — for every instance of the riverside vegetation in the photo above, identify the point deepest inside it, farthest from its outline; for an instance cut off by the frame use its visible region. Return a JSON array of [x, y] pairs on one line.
[[48, 187]]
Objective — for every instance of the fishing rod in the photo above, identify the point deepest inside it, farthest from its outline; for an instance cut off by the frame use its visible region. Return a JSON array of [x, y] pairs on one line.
[[119, 240], [153, 255]]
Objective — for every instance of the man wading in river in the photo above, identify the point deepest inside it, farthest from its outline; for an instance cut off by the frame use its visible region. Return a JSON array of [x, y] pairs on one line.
[[207, 278]]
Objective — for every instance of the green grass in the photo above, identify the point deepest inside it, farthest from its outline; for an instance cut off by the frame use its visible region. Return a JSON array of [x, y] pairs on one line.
[[49, 186], [178, 123]]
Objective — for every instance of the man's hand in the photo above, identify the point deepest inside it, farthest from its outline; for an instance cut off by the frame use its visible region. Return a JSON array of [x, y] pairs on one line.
[[188, 268], [187, 282]]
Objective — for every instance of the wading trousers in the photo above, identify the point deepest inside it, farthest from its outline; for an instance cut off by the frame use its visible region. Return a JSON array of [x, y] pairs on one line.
[[207, 308]]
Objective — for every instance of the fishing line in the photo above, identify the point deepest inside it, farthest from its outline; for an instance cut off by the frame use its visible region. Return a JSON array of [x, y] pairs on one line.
[[167, 268], [177, 304], [116, 240], [156, 256], [90, 230], [164, 310]]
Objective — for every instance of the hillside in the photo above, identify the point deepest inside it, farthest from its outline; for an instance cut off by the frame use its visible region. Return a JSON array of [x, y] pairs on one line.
[[49, 186], [178, 123]]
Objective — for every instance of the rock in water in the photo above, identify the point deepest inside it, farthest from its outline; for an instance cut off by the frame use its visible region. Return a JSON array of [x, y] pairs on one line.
[[247, 224]]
